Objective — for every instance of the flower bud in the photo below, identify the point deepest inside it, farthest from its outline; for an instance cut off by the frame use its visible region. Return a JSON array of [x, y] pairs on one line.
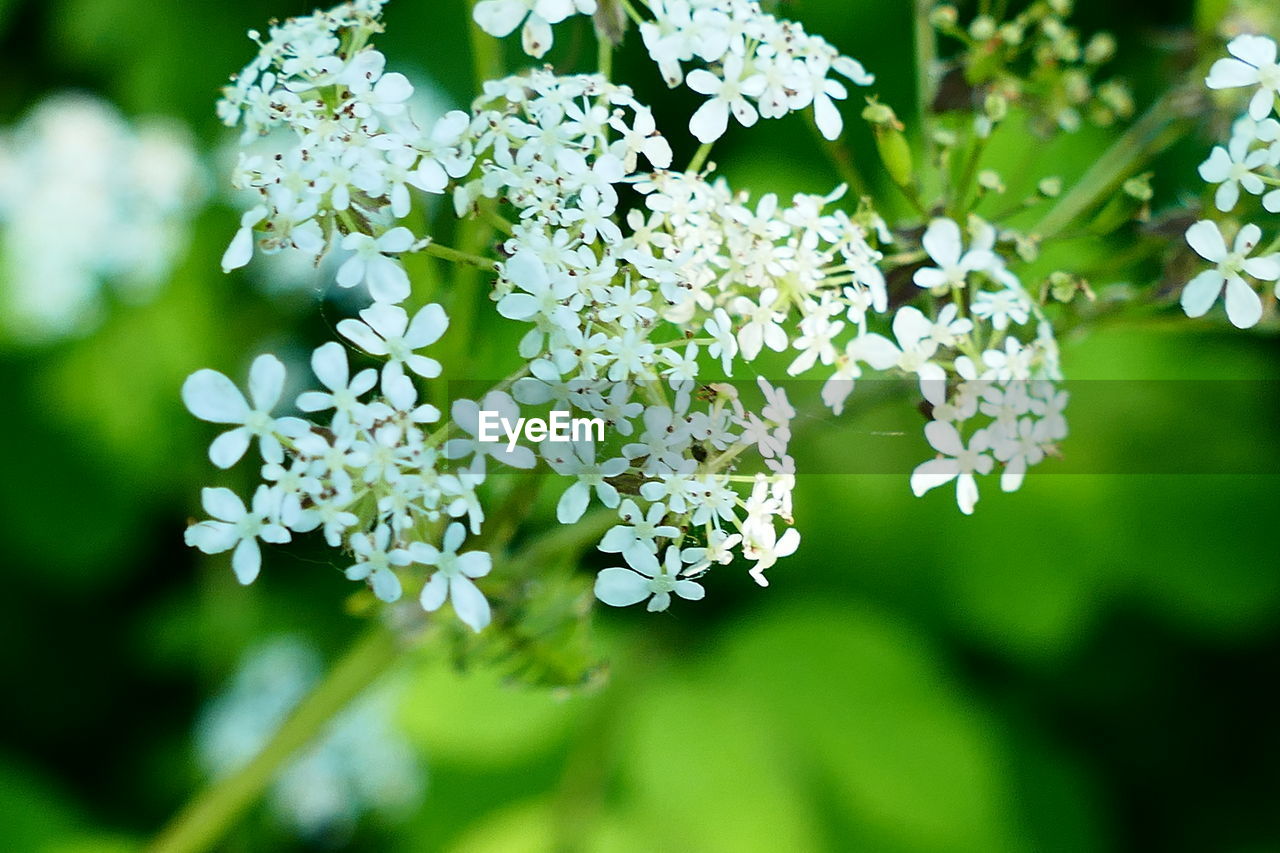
[[1100, 49], [891, 142], [944, 17], [982, 28]]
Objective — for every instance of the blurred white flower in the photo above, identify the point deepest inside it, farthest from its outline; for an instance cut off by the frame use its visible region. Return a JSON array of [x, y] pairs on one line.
[[90, 205], [361, 764]]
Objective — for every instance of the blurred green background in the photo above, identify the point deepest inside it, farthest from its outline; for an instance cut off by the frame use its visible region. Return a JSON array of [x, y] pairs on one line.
[[1084, 665]]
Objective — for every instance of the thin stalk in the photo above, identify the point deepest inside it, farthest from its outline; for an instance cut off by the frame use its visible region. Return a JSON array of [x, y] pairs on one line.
[[486, 53], [1151, 134], [458, 257], [926, 56], [699, 158], [840, 158], [604, 57], [208, 817]]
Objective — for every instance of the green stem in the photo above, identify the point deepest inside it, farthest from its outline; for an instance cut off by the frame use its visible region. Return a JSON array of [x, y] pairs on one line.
[[840, 157], [486, 53], [699, 158], [604, 57], [926, 55], [207, 818], [1151, 134], [459, 257]]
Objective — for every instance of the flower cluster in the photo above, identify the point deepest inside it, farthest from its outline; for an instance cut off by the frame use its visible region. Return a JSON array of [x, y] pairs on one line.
[[756, 65], [1036, 60], [642, 288], [347, 151], [88, 201], [1248, 163], [610, 313], [370, 480]]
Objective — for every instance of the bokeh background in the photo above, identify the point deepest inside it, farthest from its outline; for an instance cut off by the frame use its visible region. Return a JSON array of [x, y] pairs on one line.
[[1089, 664]]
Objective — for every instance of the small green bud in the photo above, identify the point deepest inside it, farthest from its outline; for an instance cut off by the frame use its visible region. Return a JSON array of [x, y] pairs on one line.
[[989, 180], [1027, 246], [891, 143], [982, 28], [1012, 34], [1140, 187], [996, 107], [1100, 49], [1050, 187], [944, 17]]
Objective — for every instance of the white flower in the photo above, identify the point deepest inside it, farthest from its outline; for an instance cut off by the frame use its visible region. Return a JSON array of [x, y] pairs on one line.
[[638, 530], [329, 362], [466, 417], [238, 528], [386, 330], [620, 587], [385, 277], [578, 460], [501, 17], [1244, 308], [1000, 307], [453, 578], [944, 243], [1254, 64], [1232, 168], [728, 93], [760, 542], [958, 463], [376, 562], [240, 251], [211, 396]]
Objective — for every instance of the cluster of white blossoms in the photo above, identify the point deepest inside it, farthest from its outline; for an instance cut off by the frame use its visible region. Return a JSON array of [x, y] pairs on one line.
[[758, 66], [361, 765], [370, 480], [749, 63], [1248, 164], [350, 151], [90, 204], [643, 288], [977, 372]]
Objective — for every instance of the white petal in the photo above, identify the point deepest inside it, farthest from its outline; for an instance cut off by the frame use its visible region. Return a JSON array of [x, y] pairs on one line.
[[362, 336], [427, 326], [386, 586], [573, 503], [434, 592], [469, 603], [387, 280], [329, 361], [246, 561], [709, 122], [240, 251], [1244, 307], [1201, 292], [931, 474], [1264, 268], [499, 17], [222, 504], [621, 587], [944, 437], [1230, 74], [1206, 239], [942, 240], [213, 397], [266, 381], [228, 448]]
